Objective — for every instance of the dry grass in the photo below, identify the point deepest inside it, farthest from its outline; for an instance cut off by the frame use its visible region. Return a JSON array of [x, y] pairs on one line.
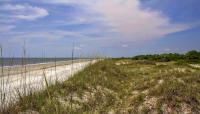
[[120, 87]]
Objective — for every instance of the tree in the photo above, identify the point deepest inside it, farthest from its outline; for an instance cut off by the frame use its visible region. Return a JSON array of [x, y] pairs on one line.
[[192, 55]]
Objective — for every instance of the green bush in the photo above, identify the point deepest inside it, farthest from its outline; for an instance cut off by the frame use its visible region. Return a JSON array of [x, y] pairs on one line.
[[191, 56]]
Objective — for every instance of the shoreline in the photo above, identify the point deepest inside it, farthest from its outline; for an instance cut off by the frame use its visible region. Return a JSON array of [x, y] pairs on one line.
[[18, 69], [40, 63], [33, 81]]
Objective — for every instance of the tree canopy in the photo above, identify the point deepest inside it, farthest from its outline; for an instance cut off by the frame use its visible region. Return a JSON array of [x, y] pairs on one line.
[[191, 56]]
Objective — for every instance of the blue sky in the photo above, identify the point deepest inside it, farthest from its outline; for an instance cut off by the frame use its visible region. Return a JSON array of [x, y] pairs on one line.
[[99, 27]]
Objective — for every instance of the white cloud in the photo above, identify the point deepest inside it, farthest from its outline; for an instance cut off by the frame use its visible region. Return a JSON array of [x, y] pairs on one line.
[[63, 2], [42, 35], [124, 21], [55, 34], [124, 45], [75, 21], [24, 12], [128, 20], [134, 23]]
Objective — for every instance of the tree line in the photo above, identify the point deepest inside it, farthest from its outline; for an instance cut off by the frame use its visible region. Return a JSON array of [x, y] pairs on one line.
[[191, 56]]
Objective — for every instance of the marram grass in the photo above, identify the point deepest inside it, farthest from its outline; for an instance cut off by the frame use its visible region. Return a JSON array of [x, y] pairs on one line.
[[118, 87]]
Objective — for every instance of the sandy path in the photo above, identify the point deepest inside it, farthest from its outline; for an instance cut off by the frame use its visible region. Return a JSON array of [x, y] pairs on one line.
[[12, 85]]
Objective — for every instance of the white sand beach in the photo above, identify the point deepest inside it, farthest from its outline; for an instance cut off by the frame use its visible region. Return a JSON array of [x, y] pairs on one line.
[[13, 85]]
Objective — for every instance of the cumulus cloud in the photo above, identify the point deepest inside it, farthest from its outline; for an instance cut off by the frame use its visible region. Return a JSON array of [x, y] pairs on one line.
[[128, 20], [132, 22], [96, 23], [23, 12]]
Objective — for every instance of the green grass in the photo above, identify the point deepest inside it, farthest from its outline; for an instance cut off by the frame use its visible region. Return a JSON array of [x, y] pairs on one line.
[[120, 86]]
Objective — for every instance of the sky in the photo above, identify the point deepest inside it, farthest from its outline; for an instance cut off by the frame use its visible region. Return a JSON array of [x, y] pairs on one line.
[[113, 28]]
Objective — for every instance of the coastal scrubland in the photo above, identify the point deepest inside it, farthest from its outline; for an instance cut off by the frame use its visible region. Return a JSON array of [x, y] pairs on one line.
[[120, 86]]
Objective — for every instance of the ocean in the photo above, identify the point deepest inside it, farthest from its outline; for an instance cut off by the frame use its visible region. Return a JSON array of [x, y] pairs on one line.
[[26, 61]]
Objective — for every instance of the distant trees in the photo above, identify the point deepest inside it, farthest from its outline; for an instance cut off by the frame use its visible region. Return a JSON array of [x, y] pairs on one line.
[[191, 56]]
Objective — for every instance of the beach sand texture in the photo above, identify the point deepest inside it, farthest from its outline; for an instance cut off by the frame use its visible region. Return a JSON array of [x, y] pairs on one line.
[[34, 80]]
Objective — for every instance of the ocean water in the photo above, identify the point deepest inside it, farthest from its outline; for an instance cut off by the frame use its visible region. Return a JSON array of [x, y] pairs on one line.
[[26, 61]]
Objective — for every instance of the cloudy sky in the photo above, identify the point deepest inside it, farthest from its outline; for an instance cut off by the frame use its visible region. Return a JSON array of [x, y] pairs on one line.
[[99, 27]]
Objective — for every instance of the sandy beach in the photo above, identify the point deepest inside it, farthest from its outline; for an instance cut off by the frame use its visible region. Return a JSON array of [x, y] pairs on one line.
[[18, 69], [34, 79]]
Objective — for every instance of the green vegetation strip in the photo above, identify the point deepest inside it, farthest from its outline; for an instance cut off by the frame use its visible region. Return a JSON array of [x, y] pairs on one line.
[[118, 87]]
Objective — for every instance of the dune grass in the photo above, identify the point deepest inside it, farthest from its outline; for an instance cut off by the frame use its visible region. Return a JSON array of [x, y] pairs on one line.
[[118, 87]]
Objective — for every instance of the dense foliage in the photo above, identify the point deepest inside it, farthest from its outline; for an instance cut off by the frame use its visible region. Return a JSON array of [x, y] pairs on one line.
[[191, 56]]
